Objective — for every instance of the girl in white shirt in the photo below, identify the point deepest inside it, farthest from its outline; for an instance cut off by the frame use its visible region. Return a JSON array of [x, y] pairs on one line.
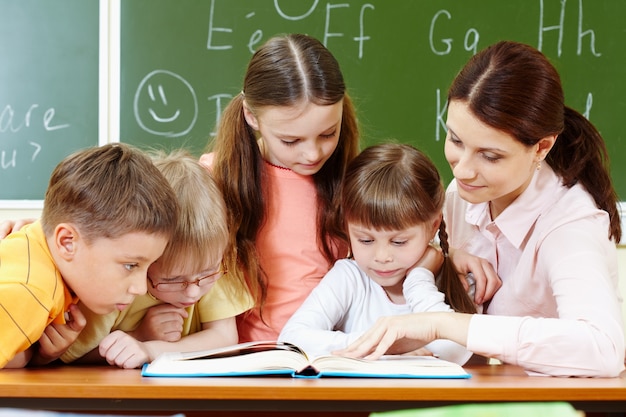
[[533, 204], [391, 207]]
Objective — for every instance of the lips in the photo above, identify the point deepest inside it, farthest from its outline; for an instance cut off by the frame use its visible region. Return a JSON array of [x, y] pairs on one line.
[[311, 166], [185, 305], [467, 187], [386, 274]]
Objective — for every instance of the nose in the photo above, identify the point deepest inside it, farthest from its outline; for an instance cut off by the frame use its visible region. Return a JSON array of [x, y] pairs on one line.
[[139, 286], [313, 151], [383, 254], [193, 288], [463, 167]]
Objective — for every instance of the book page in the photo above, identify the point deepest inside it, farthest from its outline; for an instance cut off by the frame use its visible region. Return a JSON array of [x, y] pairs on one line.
[[247, 358], [389, 365]]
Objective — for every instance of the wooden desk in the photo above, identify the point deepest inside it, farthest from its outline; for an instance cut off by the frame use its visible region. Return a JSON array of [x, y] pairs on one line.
[[106, 388]]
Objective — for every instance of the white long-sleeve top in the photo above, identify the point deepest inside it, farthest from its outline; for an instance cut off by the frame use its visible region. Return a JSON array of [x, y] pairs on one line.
[[347, 302], [558, 311]]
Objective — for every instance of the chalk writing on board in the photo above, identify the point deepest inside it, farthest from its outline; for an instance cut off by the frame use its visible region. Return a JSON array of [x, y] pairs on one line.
[[560, 27], [257, 35], [472, 37], [172, 104], [12, 123], [9, 159], [9, 122], [165, 103]]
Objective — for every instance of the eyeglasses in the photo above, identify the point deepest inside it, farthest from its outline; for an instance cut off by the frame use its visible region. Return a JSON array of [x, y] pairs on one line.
[[203, 281]]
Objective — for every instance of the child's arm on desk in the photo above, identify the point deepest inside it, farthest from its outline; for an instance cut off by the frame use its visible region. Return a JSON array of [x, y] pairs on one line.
[[21, 359], [125, 351]]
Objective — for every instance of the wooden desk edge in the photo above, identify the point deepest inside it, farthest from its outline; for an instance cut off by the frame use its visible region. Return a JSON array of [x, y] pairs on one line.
[[105, 388]]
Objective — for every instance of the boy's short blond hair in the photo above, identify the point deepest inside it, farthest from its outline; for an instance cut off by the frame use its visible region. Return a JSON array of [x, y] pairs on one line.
[[109, 191], [202, 232]]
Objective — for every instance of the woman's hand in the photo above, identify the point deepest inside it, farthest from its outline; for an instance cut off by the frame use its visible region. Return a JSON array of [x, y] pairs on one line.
[[401, 334], [487, 280], [392, 335]]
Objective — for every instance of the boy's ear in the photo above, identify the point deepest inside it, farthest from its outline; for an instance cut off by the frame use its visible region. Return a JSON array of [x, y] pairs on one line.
[[66, 239], [250, 117]]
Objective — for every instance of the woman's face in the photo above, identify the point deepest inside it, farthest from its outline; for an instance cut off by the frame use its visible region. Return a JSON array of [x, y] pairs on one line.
[[300, 138], [488, 164]]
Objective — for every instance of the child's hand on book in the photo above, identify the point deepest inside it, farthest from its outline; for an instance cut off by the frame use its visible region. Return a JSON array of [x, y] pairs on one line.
[[123, 350]]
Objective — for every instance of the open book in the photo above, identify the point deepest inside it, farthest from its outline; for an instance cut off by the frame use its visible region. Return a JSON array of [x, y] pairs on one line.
[[278, 358]]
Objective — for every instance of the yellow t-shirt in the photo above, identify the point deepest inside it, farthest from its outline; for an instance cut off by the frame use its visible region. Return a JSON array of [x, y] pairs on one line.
[[32, 291], [227, 298]]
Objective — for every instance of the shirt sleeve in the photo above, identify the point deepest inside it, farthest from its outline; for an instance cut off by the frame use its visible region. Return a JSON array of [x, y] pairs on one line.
[[227, 298], [312, 326], [23, 319], [421, 293], [586, 339]]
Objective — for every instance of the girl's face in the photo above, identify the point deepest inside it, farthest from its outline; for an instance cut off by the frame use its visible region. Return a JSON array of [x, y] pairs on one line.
[[489, 164], [181, 287], [386, 256], [300, 138]]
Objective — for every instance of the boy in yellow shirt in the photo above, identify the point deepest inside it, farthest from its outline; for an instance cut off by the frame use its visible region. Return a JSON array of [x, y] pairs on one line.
[[108, 214], [192, 301]]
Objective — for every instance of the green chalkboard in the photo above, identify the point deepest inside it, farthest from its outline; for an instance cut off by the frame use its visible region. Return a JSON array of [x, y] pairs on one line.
[[183, 60], [48, 89]]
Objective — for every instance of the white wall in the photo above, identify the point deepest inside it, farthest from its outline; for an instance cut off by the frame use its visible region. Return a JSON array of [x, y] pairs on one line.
[[16, 214]]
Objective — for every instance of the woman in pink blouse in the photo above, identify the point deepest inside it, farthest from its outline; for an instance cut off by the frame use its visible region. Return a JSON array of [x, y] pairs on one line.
[[532, 203]]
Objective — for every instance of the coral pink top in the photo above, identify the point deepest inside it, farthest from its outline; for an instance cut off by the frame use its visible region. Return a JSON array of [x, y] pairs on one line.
[[288, 251]]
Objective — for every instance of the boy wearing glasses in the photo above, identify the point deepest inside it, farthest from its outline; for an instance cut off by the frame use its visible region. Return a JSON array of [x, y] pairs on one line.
[[191, 302]]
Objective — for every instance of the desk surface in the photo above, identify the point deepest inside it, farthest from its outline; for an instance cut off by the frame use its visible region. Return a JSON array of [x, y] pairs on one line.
[[107, 388]]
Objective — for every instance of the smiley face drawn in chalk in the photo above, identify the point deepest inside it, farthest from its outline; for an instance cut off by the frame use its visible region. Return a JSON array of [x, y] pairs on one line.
[[165, 104]]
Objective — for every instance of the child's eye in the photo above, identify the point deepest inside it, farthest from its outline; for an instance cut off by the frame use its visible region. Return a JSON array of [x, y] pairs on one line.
[[130, 267], [398, 242], [289, 142], [366, 241], [329, 135]]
